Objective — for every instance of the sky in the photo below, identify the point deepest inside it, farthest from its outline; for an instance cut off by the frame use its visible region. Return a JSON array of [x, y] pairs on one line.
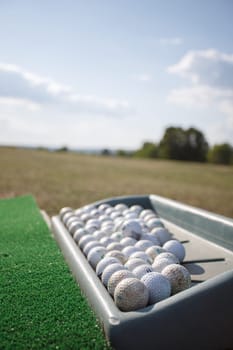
[[114, 73]]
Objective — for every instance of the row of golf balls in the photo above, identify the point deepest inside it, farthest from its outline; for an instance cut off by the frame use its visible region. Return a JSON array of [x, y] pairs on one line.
[[131, 251]]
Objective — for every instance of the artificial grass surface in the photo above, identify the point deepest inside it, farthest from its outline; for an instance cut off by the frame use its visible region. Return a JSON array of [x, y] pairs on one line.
[[41, 306]]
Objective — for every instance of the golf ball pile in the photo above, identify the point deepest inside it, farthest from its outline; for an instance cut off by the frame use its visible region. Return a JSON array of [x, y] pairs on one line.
[[131, 251]]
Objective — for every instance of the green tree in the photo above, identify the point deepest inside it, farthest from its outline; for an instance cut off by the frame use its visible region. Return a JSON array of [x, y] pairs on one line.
[[148, 150], [181, 144], [221, 154]]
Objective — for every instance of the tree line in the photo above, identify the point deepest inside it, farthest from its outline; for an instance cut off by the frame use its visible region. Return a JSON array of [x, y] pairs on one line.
[[185, 145]]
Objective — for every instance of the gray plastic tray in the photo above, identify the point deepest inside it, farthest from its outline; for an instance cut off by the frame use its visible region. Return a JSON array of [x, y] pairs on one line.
[[198, 318]]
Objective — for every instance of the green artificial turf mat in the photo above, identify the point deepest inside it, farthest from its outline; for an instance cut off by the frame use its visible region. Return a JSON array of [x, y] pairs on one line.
[[41, 306]]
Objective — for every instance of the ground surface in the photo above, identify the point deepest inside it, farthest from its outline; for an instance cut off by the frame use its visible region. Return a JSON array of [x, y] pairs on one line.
[[41, 305], [61, 179]]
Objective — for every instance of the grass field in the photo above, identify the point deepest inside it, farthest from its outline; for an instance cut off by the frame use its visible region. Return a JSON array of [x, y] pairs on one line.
[[61, 179]]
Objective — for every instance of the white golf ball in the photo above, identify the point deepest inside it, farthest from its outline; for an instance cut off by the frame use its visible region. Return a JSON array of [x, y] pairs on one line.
[[132, 228], [79, 234], [102, 264], [117, 254], [141, 255], [121, 207], [91, 245], [143, 244], [74, 226], [160, 264], [142, 270], [150, 237], [178, 276], [154, 251], [130, 250], [128, 241], [95, 255], [109, 270], [115, 246], [168, 255], [132, 263], [116, 278], [117, 236], [106, 241], [131, 294], [84, 240], [158, 286], [154, 223], [176, 248], [65, 210], [162, 234]]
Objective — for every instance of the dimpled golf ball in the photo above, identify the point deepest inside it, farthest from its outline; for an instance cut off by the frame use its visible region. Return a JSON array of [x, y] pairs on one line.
[[116, 278], [143, 244], [115, 246], [142, 270], [169, 256], [158, 286], [154, 251], [65, 210], [152, 223], [117, 254], [150, 237], [160, 264], [84, 240], [95, 255], [176, 248], [128, 251], [128, 241], [91, 245], [132, 228], [178, 276], [141, 255], [109, 270], [102, 264], [74, 226], [131, 294], [132, 263], [162, 234], [79, 234]]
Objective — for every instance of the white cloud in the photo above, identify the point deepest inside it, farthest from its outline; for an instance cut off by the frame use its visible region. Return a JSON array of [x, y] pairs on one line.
[[207, 67], [175, 41], [210, 77], [20, 87]]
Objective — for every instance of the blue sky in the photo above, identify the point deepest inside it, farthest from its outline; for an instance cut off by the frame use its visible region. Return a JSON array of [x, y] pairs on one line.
[[113, 74]]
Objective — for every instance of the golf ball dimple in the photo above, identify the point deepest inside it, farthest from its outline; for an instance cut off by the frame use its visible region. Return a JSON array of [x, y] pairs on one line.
[[131, 294], [158, 286]]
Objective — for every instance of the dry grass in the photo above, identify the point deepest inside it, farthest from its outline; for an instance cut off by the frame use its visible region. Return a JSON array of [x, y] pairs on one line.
[[61, 179]]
